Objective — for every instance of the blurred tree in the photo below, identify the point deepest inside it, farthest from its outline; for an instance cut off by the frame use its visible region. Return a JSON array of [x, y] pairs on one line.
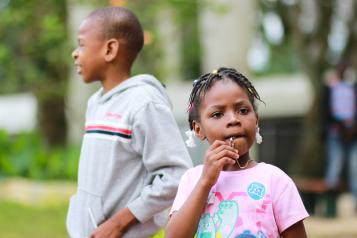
[[186, 23], [311, 27], [33, 56]]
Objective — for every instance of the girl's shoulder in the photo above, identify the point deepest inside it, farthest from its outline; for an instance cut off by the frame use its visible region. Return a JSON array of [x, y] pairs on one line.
[[191, 176], [197, 170], [270, 167], [271, 170]]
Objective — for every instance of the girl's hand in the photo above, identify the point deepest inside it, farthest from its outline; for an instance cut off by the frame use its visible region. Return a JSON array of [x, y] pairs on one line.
[[219, 154]]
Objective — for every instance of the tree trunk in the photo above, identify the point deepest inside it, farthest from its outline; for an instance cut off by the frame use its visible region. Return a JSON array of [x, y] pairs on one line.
[[312, 51], [52, 121]]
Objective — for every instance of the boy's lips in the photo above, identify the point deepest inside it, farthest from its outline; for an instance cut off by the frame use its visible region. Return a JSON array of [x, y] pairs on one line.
[[78, 68]]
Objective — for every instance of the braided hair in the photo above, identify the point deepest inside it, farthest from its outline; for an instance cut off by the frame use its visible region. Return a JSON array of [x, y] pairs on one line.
[[206, 81]]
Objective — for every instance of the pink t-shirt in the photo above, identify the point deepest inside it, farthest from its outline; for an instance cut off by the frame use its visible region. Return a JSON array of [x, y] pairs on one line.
[[257, 202]]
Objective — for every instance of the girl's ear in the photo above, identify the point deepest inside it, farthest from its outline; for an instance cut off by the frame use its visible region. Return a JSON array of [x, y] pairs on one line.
[[257, 116], [111, 49], [198, 130]]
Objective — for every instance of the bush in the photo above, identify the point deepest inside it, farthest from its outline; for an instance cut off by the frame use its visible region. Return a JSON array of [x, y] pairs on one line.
[[26, 155]]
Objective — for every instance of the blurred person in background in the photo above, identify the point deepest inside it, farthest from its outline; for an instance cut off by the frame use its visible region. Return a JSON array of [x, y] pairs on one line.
[[339, 114]]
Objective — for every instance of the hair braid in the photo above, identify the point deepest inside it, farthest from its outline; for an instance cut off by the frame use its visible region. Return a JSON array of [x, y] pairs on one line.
[[206, 81]]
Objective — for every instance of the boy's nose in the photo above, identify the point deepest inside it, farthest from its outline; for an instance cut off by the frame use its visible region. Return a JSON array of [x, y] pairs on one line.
[[74, 54]]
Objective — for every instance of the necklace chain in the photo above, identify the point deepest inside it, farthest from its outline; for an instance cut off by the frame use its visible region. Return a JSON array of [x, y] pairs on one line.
[[231, 142], [243, 166]]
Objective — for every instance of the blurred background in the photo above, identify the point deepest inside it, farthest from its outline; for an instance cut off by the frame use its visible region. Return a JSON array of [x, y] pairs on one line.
[[284, 46]]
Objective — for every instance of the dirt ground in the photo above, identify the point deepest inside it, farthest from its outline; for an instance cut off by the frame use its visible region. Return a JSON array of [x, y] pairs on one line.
[[345, 227]]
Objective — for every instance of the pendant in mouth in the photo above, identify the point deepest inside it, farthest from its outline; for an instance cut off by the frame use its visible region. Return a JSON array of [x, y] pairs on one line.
[[231, 141]]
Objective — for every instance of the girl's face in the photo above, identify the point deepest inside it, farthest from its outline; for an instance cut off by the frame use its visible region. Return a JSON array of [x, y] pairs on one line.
[[226, 112]]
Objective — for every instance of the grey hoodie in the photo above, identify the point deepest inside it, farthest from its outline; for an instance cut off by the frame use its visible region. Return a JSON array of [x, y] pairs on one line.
[[132, 156]]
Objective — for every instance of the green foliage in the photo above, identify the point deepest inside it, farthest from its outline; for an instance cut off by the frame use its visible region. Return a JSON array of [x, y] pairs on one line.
[[283, 55], [33, 45], [34, 55], [185, 13], [282, 60], [26, 155]]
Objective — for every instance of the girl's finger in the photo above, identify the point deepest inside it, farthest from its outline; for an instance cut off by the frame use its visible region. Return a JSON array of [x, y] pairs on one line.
[[224, 147], [219, 149], [225, 161], [225, 153], [216, 144]]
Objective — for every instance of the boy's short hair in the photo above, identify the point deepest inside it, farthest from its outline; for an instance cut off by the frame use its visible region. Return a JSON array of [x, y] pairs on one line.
[[120, 23]]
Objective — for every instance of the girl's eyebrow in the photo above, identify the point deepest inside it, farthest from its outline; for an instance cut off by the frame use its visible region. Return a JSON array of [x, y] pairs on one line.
[[219, 107], [242, 102], [238, 103]]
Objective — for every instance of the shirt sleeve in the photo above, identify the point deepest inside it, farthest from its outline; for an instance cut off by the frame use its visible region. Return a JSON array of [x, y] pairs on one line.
[[164, 155], [183, 192], [287, 204]]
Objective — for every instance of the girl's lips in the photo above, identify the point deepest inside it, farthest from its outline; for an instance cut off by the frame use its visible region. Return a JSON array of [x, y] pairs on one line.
[[231, 140]]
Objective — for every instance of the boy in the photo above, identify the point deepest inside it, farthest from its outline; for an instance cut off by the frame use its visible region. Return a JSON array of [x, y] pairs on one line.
[[132, 154]]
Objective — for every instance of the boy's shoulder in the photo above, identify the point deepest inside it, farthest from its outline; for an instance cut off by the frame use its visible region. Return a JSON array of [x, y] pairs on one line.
[[145, 88]]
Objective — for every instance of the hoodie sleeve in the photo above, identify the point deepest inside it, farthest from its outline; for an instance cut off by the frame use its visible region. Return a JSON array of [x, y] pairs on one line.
[[164, 155]]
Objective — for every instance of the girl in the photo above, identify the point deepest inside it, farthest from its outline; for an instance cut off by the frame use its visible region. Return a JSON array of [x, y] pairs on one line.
[[231, 195]]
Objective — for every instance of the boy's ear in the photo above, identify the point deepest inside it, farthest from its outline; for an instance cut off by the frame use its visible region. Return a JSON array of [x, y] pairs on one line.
[[111, 49], [198, 130]]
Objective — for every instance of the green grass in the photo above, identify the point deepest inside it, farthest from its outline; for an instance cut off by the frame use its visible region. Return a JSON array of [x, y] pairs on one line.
[[17, 220]]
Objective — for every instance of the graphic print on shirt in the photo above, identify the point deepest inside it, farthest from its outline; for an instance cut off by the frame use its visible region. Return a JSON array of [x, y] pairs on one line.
[[226, 216], [256, 191], [248, 234], [222, 223], [206, 227]]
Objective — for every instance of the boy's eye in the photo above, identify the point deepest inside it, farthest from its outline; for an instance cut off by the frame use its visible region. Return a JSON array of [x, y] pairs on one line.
[[80, 43]]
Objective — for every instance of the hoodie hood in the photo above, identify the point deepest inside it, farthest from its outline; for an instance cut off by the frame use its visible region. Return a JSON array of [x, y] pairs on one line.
[[135, 81]]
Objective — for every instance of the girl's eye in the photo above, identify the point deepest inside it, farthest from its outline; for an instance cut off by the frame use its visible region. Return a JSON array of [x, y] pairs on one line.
[[243, 111], [217, 115]]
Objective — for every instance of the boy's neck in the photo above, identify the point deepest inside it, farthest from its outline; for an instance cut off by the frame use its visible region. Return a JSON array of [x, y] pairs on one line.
[[114, 77]]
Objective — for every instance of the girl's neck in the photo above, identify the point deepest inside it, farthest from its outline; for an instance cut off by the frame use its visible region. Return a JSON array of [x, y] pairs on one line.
[[242, 163]]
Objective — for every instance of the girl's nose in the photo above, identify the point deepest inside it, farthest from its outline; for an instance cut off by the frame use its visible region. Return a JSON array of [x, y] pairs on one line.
[[233, 119]]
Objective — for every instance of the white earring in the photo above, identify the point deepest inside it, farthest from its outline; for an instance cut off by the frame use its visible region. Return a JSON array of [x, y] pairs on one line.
[[258, 137], [190, 142]]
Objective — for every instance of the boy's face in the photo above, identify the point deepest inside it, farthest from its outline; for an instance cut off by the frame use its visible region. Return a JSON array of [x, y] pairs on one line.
[[226, 112], [88, 54]]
